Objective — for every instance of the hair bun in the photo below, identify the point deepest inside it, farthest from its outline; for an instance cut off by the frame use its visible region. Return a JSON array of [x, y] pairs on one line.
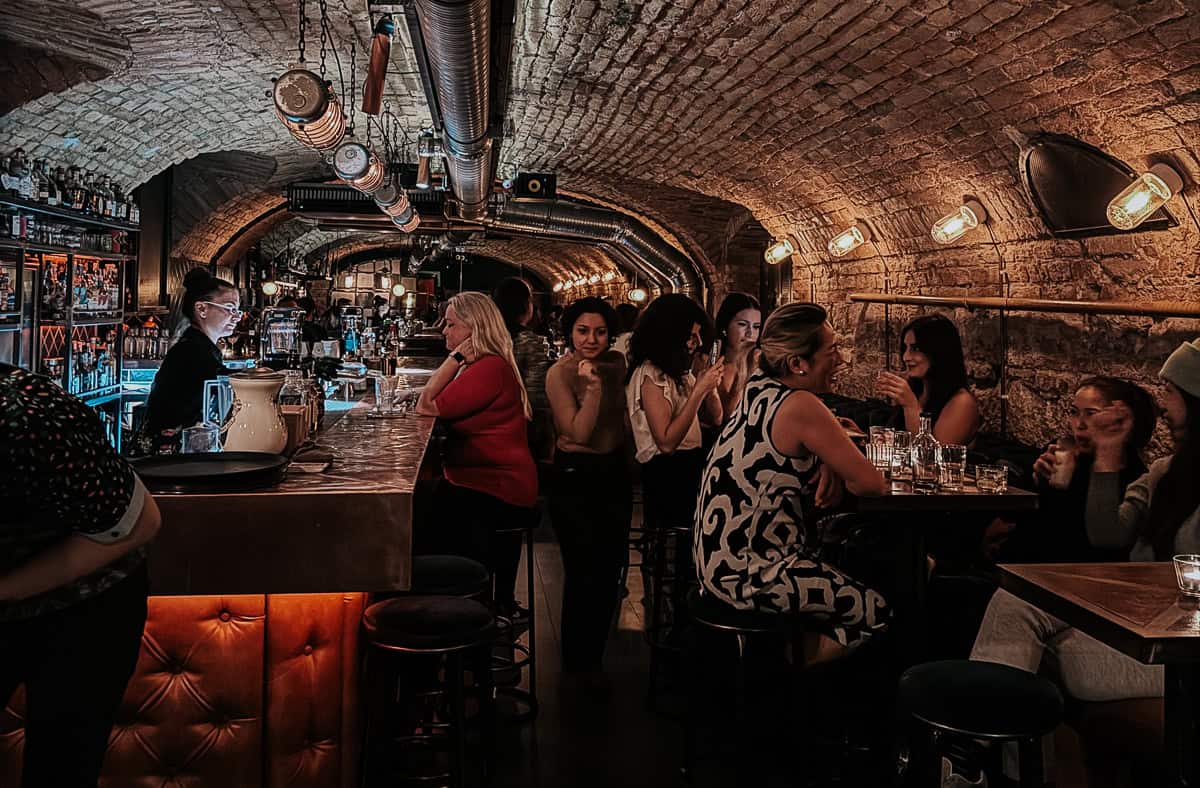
[[198, 279]]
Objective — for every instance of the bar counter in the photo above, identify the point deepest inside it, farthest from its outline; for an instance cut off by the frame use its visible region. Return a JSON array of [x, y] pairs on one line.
[[347, 529]]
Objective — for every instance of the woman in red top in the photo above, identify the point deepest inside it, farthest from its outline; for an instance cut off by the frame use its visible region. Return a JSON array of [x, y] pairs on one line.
[[491, 481]]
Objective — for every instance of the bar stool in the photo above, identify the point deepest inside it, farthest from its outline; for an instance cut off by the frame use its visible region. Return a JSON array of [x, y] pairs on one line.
[[956, 703], [424, 636], [514, 656], [671, 577], [449, 575], [709, 613]]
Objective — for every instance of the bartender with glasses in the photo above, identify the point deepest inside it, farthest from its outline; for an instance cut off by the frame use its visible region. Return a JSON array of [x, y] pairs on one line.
[[211, 310]]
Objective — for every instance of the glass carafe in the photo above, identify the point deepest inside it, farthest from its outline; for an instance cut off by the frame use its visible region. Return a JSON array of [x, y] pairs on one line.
[[925, 458]]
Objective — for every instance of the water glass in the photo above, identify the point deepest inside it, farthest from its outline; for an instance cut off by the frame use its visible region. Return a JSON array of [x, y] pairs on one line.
[[902, 469], [879, 449], [385, 393], [991, 478], [201, 439], [952, 465], [1187, 573]]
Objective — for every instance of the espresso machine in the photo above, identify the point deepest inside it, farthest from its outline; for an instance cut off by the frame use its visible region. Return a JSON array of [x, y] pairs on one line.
[[350, 320], [279, 338]]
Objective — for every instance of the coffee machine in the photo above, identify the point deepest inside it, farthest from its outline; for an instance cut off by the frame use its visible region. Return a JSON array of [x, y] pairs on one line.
[[350, 320], [279, 337]]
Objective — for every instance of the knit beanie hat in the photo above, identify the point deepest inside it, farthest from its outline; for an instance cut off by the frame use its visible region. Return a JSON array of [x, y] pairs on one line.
[[1183, 367]]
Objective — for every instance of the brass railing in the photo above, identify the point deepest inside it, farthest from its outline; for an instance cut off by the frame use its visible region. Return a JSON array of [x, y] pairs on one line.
[[1186, 309]]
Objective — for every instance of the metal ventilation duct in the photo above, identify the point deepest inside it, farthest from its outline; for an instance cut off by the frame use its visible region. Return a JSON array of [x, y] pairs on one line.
[[456, 38], [648, 252]]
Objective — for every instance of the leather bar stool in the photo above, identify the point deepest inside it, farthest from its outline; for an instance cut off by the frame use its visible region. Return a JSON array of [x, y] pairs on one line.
[[958, 703], [709, 613], [425, 644], [511, 656], [450, 575]]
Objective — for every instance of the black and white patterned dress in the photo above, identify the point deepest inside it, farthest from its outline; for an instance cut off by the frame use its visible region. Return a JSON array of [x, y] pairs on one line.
[[753, 549]]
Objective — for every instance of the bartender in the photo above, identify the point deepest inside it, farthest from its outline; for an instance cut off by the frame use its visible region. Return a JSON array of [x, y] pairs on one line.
[[211, 310]]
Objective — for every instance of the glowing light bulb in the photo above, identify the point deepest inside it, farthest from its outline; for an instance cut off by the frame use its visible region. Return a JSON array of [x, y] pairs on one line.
[[609, 276], [558, 286], [955, 225], [779, 251], [594, 279], [348, 281], [637, 295], [399, 289], [1140, 199], [847, 241], [567, 285], [581, 281], [270, 288]]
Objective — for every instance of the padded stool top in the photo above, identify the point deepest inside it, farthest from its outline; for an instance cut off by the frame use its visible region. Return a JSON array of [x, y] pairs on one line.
[[428, 623], [711, 612], [449, 575], [984, 700]]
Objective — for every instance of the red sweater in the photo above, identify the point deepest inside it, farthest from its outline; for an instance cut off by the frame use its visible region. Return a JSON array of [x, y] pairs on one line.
[[488, 449]]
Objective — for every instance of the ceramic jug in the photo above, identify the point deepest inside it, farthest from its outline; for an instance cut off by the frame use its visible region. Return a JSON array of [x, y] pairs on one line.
[[255, 420]]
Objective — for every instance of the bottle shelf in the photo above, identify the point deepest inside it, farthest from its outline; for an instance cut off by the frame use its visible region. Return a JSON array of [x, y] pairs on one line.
[[68, 214], [86, 321], [101, 396], [16, 243]]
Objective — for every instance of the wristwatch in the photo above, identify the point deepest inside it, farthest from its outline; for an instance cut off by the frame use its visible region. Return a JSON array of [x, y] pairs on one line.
[[459, 357]]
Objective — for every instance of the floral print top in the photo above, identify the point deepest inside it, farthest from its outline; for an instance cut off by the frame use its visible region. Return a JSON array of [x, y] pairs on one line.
[[59, 476]]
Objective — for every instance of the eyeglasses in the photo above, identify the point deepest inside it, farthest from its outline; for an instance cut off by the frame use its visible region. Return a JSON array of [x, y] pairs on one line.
[[232, 309]]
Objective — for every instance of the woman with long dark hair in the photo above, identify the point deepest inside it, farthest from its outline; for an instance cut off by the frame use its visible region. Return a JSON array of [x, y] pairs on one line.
[[934, 382], [1158, 515], [514, 299], [591, 498], [738, 322], [665, 401], [210, 310]]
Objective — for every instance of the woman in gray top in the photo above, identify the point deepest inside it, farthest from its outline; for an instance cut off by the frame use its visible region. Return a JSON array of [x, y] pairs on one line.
[[1158, 516]]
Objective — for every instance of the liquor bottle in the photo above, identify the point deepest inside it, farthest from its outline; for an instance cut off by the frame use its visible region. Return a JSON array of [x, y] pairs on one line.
[[108, 206], [25, 179], [41, 185], [51, 185], [90, 198], [120, 207], [135, 213], [78, 196], [925, 458], [7, 186], [64, 187]]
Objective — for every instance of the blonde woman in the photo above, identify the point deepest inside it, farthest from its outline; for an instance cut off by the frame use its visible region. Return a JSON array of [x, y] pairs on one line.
[[490, 479]]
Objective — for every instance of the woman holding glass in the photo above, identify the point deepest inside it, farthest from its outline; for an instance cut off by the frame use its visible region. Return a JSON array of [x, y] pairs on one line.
[[738, 323], [934, 382], [210, 310]]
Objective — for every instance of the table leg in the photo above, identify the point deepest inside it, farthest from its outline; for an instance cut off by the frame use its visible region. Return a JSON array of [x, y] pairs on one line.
[[912, 579], [1182, 718]]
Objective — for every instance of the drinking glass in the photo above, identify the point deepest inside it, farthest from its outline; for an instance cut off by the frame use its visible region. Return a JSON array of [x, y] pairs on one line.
[[879, 449], [201, 439], [385, 393], [952, 465], [991, 478], [1187, 573], [902, 470]]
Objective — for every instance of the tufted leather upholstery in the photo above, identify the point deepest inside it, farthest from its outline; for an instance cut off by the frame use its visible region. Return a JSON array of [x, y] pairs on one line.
[[237, 692]]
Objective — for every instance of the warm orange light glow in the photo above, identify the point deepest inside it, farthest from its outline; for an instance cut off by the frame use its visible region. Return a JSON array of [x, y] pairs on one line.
[[847, 241], [955, 225], [779, 251], [637, 295], [1138, 201]]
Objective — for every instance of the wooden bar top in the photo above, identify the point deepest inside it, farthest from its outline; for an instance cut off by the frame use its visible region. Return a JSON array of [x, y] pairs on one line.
[[1136, 608], [901, 498]]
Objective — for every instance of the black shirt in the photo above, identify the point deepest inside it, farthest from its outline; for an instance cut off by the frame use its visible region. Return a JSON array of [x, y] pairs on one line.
[[59, 476], [176, 398]]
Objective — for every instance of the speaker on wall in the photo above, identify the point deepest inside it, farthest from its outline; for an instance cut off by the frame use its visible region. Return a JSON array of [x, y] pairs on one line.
[[537, 186]]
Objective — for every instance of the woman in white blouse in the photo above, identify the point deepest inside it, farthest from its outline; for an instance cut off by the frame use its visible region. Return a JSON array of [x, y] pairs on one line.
[[666, 401]]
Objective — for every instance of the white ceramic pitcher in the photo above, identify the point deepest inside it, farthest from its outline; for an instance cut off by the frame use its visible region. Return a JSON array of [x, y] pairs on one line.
[[255, 420]]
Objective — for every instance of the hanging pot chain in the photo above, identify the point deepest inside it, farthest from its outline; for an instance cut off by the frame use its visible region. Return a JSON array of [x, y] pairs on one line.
[[324, 35], [351, 96], [303, 24]]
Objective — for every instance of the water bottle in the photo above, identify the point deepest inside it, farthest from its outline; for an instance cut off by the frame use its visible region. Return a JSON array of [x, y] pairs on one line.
[[925, 458]]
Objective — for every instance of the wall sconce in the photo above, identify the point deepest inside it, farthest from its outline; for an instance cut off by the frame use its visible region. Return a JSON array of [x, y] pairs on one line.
[[581, 281], [270, 288], [848, 240], [955, 225], [567, 285], [359, 167], [309, 109], [558, 286], [399, 290], [1140, 199], [779, 251], [609, 276], [637, 295], [594, 279]]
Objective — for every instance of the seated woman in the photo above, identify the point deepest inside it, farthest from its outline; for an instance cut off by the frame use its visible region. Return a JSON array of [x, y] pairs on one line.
[[755, 546], [665, 401], [491, 481], [738, 323], [1058, 532], [1158, 515], [591, 502], [934, 382], [211, 309]]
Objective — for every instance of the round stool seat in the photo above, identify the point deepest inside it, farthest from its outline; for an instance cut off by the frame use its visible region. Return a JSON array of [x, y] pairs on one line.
[[981, 699], [428, 623], [706, 609], [449, 575]]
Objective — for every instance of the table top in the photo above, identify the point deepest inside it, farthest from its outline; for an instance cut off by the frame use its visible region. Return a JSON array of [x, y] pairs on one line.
[[1135, 608], [901, 498]]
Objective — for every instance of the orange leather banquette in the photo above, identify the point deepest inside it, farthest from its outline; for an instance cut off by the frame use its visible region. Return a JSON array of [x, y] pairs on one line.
[[233, 691]]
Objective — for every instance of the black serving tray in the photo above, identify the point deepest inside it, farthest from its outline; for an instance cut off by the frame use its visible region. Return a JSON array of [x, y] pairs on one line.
[[216, 472]]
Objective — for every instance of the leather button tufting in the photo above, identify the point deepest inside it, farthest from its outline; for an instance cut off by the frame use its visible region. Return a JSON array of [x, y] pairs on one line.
[[225, 615], [308, 650]]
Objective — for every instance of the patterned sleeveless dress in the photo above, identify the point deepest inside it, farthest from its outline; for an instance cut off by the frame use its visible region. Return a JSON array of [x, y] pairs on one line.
[[752, 547]]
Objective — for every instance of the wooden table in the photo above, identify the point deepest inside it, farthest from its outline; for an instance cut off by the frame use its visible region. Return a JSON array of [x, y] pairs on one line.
[[911, 514], [1136, 609]]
